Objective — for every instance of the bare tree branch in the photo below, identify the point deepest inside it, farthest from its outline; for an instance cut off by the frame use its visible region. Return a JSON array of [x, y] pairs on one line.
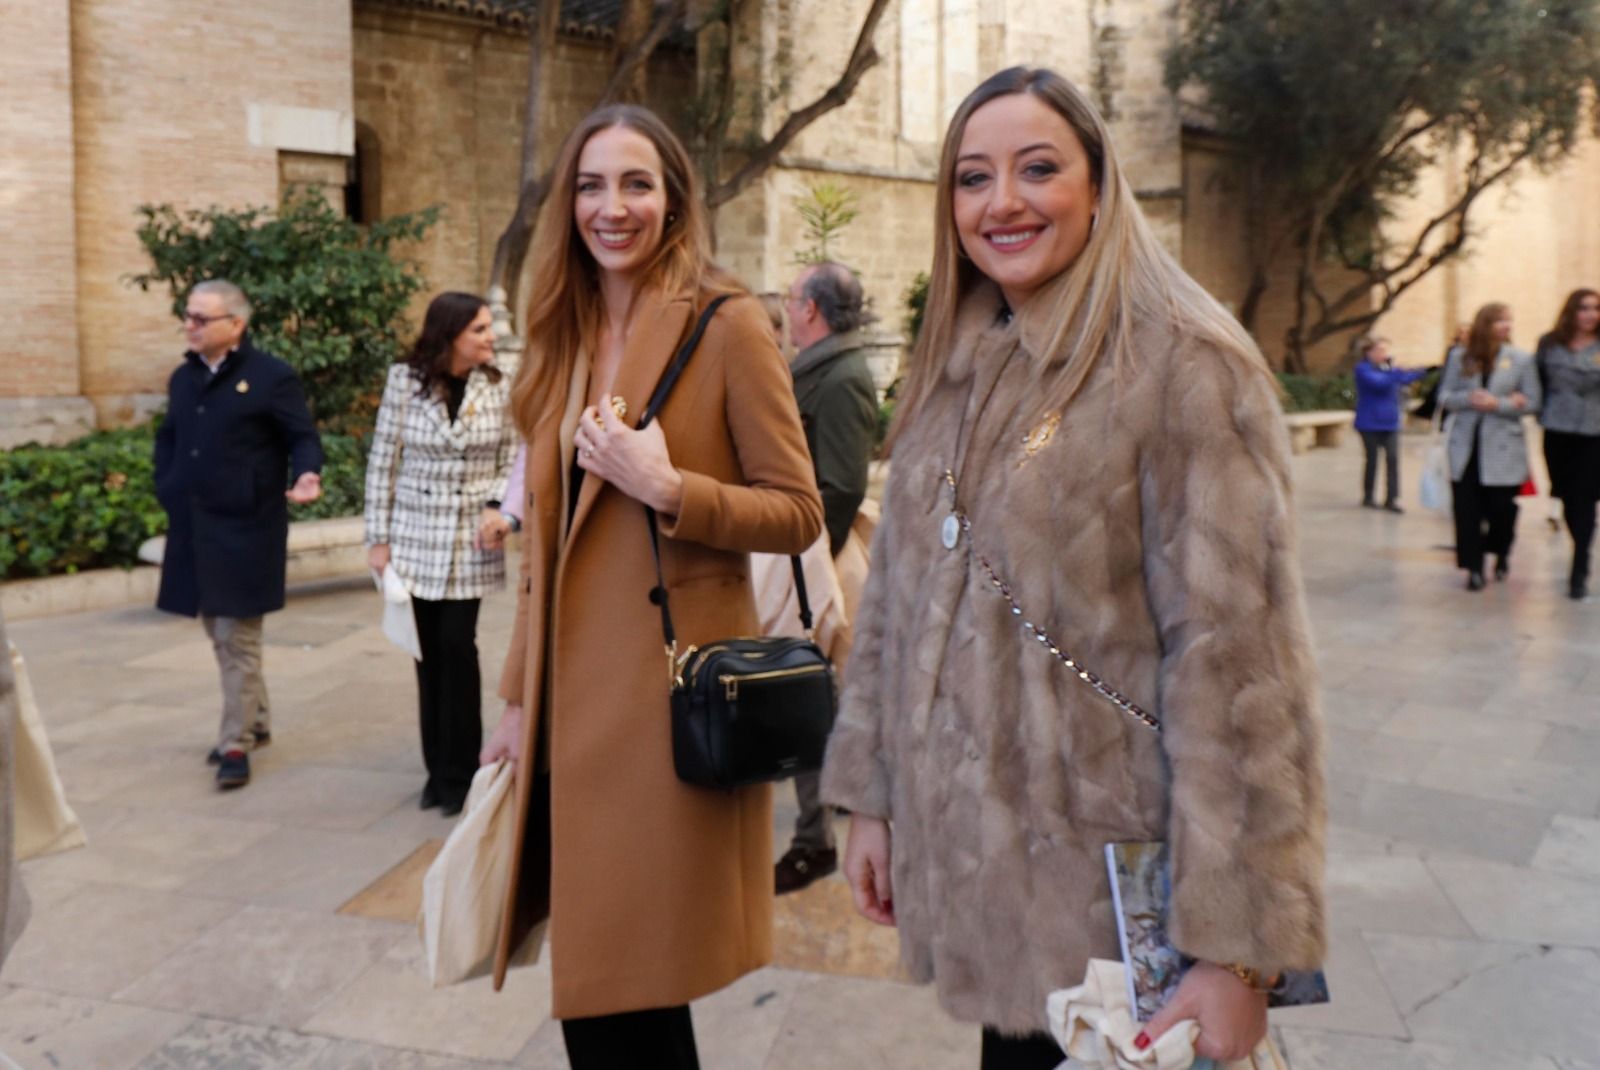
[[862, 58], [1418, 261], [512, 247], [633, 55]]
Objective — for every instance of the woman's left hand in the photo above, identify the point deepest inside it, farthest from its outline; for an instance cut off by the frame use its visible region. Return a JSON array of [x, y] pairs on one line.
[[635, 462], [1232, 1015]]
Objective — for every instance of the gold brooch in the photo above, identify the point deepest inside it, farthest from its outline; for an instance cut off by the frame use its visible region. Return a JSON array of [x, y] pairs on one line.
[[470, 409], [1039, 437], [243, 387]]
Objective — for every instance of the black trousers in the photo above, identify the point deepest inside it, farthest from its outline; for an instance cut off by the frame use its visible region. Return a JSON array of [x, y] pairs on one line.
[[661, 1039], [1486, 518], [1574, 462], [449, 694], [1035, 1051], [1389, 443]]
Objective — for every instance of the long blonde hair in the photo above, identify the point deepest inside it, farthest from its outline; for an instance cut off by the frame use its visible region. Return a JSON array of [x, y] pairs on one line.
[[1122, 277], [565, 306]]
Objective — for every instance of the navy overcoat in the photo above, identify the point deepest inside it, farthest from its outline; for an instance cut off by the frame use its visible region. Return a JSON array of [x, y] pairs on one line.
[[223, 461]]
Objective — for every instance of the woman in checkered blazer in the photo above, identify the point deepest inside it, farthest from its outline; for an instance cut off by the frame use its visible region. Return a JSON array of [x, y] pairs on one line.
[[440, 457]]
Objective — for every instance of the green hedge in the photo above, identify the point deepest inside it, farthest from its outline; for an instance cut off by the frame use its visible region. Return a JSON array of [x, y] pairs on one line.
[[1317, 393], [91, 503]]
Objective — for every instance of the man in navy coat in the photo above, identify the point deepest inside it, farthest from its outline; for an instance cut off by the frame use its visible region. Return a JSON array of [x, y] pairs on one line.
[[236, 421]]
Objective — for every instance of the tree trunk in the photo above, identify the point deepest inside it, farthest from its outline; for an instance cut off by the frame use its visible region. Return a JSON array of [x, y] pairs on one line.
[[512, 247], [633, 26]]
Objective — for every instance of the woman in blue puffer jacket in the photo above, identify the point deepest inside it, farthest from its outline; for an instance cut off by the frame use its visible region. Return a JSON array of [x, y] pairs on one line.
[[1378, 415]]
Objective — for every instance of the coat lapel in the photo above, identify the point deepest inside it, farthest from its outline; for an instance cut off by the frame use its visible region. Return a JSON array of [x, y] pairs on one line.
[[657, 329]]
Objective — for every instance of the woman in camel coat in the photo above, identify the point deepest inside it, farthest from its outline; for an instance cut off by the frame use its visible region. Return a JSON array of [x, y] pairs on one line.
[[657, 892], [1090, 450]]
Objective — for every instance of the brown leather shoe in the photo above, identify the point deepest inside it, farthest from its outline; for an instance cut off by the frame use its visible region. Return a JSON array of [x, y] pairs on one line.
[[800, 866]]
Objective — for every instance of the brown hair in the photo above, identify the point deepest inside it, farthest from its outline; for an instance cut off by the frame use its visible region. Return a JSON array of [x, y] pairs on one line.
[[1482, 345], [1566, 328], [1123, 274], [565, 306]]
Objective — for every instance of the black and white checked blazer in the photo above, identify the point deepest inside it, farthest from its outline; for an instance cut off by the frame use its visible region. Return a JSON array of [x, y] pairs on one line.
[[428, 478]]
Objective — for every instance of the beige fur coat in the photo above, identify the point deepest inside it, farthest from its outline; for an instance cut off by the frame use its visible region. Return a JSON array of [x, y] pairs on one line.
[[1150, 532]]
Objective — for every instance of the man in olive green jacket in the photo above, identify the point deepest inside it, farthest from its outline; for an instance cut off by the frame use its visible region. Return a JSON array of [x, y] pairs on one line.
[[839, 409], [13, 902]]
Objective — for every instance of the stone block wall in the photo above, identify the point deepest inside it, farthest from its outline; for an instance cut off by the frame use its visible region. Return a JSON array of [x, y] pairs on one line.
[[38, 262], [441, 98], [187, 102]]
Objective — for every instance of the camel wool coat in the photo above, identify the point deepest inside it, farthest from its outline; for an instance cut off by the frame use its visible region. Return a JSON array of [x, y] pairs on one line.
[[656, 892], [1148, 530]]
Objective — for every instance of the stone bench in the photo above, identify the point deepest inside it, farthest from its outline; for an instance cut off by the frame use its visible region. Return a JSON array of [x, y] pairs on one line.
[[1309, 430], [318, 549]]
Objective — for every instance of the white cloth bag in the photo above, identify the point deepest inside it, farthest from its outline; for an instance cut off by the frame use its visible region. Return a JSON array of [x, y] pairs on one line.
[[45, 824], [1435, 492], [399, 623], [464, 890], [1094, 1025]]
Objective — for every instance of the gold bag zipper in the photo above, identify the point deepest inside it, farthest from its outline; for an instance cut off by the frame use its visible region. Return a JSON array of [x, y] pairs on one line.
[[731, 682]]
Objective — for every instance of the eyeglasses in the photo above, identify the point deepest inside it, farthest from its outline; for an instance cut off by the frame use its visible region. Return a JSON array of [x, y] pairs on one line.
[[197, 320]]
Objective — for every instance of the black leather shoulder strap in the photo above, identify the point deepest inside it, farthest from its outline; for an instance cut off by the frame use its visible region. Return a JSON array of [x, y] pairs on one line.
[[669, 379]]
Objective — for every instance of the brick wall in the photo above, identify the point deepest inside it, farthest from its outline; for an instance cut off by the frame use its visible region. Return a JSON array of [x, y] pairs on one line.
[[187, 102], [38, 259]]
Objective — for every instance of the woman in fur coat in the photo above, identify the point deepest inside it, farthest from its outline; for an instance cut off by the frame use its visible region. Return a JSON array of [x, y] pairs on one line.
[[1084, 621]]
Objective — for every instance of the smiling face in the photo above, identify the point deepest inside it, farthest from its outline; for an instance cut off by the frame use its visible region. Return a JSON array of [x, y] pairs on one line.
[[474, 346], [1023, 194], [620, 200]]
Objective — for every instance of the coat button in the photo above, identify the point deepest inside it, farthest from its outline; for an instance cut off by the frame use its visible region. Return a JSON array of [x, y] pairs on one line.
[[194, 453], [200, 409]]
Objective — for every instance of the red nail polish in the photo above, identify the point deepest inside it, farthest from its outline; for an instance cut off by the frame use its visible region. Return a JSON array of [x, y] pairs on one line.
[[1142, 1041]]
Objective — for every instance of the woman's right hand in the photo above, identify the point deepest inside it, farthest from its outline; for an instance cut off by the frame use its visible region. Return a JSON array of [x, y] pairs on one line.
[[866, 867], [378, 557], [506, 739]]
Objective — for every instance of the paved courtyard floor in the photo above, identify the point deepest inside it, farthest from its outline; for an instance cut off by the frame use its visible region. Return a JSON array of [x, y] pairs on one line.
[[264, 929]]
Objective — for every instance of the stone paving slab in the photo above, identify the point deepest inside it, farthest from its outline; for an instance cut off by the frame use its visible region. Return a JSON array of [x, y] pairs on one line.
[[201, 930]]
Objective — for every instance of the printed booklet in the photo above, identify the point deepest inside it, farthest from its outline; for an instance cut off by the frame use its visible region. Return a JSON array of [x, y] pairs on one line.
[[1141, 886]]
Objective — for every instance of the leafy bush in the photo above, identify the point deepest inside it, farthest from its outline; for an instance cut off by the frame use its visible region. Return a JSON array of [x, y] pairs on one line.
[[86, 505], [91, 503], [329, 294], [1317, 393]]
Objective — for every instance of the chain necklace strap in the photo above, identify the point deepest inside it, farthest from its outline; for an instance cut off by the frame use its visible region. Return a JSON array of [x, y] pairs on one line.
[[1106, 691]]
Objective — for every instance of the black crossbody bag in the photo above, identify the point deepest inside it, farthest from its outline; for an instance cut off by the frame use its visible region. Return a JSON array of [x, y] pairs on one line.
[[748, 710]]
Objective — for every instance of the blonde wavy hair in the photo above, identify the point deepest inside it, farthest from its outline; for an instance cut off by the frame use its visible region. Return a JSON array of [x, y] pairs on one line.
[[565, 307], [1122, 277]]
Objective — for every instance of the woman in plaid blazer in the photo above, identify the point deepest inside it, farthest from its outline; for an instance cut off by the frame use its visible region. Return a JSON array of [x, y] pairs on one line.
[[440, 457]]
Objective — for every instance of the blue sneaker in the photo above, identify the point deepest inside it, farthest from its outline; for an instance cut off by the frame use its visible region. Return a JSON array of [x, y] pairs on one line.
[[234, 771]]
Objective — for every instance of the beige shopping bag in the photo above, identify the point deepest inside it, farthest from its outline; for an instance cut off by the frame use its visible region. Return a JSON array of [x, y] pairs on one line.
[[464, 890], [45, 823], [1094, 1025]]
